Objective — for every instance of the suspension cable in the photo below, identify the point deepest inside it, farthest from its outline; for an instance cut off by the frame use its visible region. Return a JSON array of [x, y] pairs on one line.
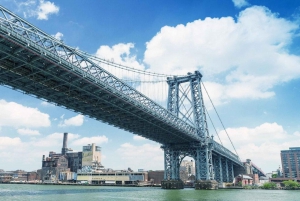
[[213, 125], [220, 119], [111, 63]]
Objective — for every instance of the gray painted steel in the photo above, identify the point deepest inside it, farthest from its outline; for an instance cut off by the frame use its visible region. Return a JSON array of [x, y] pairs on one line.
[[36, 63]]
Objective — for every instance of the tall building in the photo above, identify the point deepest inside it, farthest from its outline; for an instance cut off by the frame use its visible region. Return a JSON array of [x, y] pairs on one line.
[[91, 154], [188, 167], [290, 160]]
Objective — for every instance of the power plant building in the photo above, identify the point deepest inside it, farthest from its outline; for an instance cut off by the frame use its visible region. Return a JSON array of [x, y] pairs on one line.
[[58, 165]]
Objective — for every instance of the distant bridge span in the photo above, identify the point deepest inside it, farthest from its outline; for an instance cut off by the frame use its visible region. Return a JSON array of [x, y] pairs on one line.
[[36, 63]]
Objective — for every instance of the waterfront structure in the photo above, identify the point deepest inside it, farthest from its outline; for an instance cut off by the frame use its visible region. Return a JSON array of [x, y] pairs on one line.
[[38, 64], [116, 177], [61, 165], [18, 176], [244, 180], [53, 165], [290, 160], [156, 176]]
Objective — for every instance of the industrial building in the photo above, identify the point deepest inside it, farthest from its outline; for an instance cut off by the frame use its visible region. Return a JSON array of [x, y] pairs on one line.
[[290, 160], [62, 166]]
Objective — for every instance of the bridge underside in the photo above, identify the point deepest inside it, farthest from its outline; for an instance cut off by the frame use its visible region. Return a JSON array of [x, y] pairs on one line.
[[34, 73]]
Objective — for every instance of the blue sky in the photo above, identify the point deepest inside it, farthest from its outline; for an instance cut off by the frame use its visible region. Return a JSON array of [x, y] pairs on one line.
[[248, 52]]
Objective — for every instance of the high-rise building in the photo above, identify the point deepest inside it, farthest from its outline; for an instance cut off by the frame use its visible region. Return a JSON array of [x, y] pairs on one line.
[[290, 160]]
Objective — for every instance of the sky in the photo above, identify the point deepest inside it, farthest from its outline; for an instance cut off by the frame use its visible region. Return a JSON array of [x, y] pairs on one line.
[[247, 50]]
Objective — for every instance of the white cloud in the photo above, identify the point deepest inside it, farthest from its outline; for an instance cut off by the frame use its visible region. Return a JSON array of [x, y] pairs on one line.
[[138, 138], [74, 121], [240, 3], [40, 9], [6, 142], [89, 140], [242, 58], [45, 9], [46, 104], [56, 140], [58, 36], [119, 54], [16, 115], [26, 131], [30, 151], [261, 144], [139, 156]]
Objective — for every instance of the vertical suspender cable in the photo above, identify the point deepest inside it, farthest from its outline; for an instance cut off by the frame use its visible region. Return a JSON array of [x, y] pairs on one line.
[[220, 119]]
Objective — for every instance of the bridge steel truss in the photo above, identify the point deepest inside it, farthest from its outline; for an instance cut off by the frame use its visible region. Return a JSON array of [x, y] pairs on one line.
[[36, 63], [201, 151], [210, 165]]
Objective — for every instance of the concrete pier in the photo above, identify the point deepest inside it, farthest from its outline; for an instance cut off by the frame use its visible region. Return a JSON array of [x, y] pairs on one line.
[[172, 184], [206, 184]]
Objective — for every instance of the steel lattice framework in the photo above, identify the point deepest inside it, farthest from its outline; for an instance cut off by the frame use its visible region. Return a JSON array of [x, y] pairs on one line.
[[187, 101], [36, 63]]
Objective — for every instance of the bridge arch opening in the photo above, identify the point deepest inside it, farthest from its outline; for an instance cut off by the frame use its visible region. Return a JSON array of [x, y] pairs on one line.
[[187, 170]]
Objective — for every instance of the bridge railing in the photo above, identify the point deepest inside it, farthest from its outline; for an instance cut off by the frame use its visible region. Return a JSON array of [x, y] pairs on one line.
[[34, 39], [220, 149]]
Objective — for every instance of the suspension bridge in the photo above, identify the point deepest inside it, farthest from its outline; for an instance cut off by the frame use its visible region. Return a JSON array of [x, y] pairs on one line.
[[36, 63]]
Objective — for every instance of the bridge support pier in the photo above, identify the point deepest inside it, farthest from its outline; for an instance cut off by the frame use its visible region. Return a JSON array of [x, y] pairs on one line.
[[172, 184], [206, 185]]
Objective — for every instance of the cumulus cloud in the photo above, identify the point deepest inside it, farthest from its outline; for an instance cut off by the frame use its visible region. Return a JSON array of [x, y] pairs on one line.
[[6, 142], [46, 104], [138, 138], [16, 115], [240, 3], [134, 156], [40, 9], [262, 144], [11, 148], [45, 9], [73, 121], [58, 36], [89, 140], [119, 54], [26, 131], [239, 58]]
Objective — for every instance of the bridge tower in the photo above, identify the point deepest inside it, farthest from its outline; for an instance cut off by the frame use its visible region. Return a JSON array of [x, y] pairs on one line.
[[185, 101]]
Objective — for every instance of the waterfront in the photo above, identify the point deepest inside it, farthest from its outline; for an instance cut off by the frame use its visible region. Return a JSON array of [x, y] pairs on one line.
[[23, 192]]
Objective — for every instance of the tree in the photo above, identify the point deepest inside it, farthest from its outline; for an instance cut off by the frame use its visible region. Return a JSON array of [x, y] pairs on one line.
[[269, 185], [291, 184], [274, 175]]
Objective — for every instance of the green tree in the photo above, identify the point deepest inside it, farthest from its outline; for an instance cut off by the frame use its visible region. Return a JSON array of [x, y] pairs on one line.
[[274, 175], [291, 184], [269, 185]]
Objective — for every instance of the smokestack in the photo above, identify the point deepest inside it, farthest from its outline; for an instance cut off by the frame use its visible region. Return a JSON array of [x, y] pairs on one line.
[[65, 144]]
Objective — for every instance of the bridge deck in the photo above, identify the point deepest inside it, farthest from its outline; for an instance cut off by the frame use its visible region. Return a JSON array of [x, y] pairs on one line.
[[35, 63]]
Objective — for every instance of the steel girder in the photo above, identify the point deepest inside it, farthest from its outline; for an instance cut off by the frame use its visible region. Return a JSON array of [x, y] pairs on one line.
[[38, 64], [29, 38], [230, 171], [202, 152], [225, 172], [218, 168]]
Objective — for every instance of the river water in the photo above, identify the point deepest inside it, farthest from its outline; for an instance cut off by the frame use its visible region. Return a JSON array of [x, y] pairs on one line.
[[25, 192]]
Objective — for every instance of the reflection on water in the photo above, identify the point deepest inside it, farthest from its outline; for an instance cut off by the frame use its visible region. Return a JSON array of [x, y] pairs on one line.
[[16, 192]]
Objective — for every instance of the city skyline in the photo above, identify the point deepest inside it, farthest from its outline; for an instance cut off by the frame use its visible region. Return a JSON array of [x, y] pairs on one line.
[[247, 51]]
